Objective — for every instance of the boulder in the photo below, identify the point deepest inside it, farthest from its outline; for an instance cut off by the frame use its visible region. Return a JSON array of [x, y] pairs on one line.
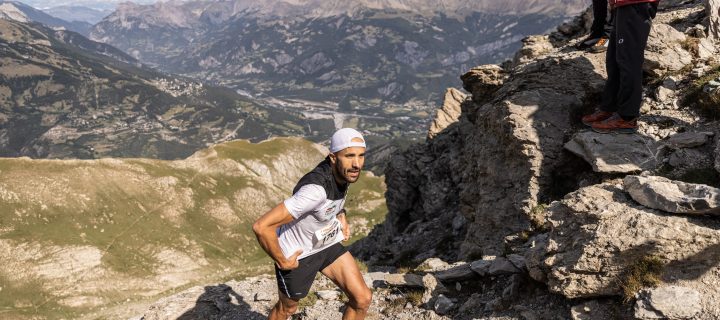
[[664, 52], [673, 196], [448, 114], [598, 232], [688, 139], [621, 153], [668, 302], [443, 305]]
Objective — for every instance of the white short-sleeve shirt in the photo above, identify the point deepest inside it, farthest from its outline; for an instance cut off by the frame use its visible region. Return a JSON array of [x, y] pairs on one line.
[[316, 201]]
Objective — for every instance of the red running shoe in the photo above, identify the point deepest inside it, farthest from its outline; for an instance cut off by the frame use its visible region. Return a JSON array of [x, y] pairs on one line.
[[615, 124], [596, 116]]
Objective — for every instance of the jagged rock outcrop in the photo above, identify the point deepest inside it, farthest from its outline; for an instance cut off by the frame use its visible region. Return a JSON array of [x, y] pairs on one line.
[[597, 233], [532, 47], [481, 178], [673, 196], [448, 114], [483, 81]]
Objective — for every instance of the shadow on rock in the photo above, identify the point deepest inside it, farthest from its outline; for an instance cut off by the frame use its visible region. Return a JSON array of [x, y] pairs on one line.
[[221, 302]]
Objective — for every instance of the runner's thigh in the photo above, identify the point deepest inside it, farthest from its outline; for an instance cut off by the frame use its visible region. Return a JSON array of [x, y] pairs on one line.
[[346, 274]]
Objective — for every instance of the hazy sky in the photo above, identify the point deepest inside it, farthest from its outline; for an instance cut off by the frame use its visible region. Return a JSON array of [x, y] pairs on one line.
[[95, 4]]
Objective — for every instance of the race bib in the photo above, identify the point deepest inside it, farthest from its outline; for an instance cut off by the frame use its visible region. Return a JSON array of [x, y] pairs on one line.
[[327, 235]]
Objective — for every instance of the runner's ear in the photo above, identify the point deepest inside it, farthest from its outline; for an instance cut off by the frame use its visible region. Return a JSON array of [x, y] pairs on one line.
[[333, 158]]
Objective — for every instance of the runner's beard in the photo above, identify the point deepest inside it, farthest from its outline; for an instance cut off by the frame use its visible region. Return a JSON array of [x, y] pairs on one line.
[[345, 173]]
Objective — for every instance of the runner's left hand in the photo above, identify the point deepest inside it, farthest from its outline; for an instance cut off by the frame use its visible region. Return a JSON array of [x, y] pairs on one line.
[[346, 231]]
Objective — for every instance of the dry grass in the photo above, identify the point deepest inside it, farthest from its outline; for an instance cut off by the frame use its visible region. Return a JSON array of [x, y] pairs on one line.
[[308, 301], [645, 272], [537, 216], [699, 100], [414, 297]]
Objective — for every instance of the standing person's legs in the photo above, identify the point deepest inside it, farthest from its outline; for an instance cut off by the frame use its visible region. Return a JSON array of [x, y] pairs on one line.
[[600, 10], [612, 85], [632, 28], [346, 274]]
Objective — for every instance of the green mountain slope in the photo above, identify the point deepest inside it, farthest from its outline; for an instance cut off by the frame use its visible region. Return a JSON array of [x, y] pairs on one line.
[[80, 236]]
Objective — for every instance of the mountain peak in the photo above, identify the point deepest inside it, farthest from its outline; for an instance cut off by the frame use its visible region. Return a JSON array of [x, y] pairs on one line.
[[9, 10]]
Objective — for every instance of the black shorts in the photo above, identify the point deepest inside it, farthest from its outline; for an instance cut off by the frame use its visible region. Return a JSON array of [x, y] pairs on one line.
[[296, 283]]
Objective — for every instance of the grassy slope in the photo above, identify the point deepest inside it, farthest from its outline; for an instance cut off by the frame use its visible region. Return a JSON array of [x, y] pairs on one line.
[[132, 210]]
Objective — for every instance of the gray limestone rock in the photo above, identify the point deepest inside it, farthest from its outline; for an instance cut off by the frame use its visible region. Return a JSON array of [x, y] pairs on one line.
[[443, 305], [448, 114], [457, 273], [598, 231], [481, 267], [688, 139], [493, 266], [668, 302], [404, 280], [433, 265], [433, 288], [615, 152], [518, 261], [664, 51], [673, 196]]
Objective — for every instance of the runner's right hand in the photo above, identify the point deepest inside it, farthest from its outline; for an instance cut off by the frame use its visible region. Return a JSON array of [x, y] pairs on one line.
[[291, 262]]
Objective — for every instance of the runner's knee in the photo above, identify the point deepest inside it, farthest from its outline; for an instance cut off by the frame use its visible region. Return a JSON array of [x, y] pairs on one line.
[[362, 300]]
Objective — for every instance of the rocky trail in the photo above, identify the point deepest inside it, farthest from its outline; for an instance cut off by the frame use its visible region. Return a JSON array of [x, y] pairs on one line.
[[513, 210]]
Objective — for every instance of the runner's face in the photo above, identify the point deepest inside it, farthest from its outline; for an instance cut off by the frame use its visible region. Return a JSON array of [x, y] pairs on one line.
[[348, 163]]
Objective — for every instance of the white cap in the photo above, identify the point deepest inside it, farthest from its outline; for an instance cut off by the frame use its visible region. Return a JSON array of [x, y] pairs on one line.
[[343, 139]]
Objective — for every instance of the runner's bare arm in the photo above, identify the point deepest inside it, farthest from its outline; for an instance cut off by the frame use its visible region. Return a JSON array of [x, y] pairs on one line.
[[345, 226], [265, 229]]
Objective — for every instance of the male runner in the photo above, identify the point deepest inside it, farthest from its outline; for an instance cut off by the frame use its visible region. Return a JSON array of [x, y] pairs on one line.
[[303, 233]]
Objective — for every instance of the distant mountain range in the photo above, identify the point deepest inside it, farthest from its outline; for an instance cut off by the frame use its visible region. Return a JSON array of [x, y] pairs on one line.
[[78, 13], [65, 96], [19, 11], [380, 58]]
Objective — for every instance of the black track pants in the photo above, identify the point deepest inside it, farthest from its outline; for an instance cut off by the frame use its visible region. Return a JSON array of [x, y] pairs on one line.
[[601, 26], [625, 56]]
